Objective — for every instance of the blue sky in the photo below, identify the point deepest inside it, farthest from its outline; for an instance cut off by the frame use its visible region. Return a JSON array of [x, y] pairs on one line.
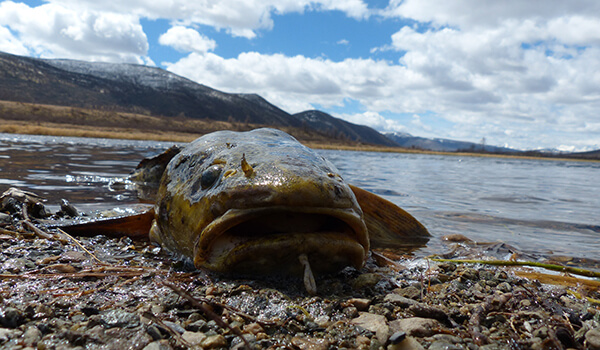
[[524, 74]]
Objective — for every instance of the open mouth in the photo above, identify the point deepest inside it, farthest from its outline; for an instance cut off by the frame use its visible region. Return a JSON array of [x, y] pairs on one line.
[[270, 240]]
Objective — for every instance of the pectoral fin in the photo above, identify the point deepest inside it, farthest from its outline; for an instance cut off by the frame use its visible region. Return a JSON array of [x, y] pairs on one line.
[[389, 226], [134, 226]]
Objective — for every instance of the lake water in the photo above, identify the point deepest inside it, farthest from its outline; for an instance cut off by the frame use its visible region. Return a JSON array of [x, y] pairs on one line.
[[541, 207]]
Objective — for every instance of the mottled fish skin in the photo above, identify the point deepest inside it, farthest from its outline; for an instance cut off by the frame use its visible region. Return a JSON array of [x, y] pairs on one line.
[[252, 202]]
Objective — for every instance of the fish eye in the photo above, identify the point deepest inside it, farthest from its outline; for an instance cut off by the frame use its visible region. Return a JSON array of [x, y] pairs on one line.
[[210, 176]]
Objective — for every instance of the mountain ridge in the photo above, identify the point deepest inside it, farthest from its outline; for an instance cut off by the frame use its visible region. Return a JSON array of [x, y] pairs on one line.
[[147, 90]]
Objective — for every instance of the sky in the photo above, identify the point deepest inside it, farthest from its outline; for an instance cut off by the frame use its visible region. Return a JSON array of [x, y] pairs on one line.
[[522, 74]]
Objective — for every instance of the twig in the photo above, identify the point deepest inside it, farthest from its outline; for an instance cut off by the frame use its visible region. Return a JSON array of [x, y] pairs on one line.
[[207, 310], [37, 231], [80, 245], [573, 270]]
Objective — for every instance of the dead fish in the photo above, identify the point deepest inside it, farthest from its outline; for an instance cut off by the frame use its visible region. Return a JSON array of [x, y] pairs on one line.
[[259, 202]]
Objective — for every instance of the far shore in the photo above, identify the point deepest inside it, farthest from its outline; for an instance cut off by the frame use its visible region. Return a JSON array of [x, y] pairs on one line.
[[73, 130]]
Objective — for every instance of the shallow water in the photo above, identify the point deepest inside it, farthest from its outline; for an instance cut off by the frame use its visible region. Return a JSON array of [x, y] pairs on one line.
[[538, 206]]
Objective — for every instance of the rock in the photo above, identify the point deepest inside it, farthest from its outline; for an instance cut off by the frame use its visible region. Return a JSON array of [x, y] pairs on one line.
[[374, 323], [11, 317], [397, 337], [592, 339], [193, 338], [310, 344], [120, 318], [32, 336], [158, 345], [359, 303], [443, 345], [214, 341], [399, 300], [253, 328], [366, 280], [409, 343], [410, 292], [416, 326], [428, 311], [6, 334]]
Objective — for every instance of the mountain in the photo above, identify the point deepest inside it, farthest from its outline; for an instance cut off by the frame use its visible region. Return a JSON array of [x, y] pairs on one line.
[[342, 129], [154, 91], [443, 145]]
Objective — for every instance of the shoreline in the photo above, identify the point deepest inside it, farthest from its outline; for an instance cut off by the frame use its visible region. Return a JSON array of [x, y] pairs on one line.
[[75, 130]]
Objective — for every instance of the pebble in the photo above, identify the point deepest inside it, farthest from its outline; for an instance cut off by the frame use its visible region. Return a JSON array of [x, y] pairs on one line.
[[11, 317], [310, 344], [158, 345], [592, 339], [409, 343], [366, 280], [360, 304], [193, 338], [416, 326], [399, 300], [120, 318], [214, 341], [410, 292], [374, 323], [32, 336]]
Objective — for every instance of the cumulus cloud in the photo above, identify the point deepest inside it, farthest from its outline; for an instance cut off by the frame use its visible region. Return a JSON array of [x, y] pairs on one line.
[[187, 40], [374, 120], [238, 17], [10, 44], [54, 31]]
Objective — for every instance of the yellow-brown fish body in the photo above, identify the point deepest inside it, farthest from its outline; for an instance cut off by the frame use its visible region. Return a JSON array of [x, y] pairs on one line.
[[253, 202]]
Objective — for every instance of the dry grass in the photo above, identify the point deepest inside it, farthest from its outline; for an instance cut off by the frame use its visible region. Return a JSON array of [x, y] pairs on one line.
[[38, 119]]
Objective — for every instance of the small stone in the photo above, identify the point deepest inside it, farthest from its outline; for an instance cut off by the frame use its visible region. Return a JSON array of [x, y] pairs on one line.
[[32, 336], [193, 338], [310, 344], [6, 334], [120, 318], [504, 287], [174, 326], [362, 342], [592, 339], [158, 345], [409, 343], [428, 311], [366, 280], [397, 337], [416, 326], [253, 328], [410, 292], [214, 341], [11, 318], [374, 323], [442, 345], [196, 325], [399, 300], [359, 303]]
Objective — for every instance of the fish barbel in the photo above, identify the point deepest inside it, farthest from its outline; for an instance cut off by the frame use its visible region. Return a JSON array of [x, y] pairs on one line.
[[254, 202], [260, 203]]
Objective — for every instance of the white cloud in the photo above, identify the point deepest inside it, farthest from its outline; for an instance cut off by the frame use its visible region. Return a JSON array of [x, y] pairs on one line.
[[374, 120], [10, 44], [54, 31], [296, 83], [239, 17], [187, 40]]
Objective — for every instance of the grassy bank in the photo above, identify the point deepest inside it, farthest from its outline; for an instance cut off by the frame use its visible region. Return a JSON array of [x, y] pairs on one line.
[[38, 119]]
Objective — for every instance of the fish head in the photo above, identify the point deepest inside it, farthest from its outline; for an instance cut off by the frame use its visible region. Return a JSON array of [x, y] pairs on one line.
[[253, 202]]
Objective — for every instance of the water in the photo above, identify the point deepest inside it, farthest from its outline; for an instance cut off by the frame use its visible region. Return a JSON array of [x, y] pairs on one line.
[[538, 206]]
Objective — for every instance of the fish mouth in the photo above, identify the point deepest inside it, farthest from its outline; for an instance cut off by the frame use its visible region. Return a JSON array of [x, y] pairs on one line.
[[270, 240]]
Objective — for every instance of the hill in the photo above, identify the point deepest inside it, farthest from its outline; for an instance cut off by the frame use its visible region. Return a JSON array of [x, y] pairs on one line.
[[142, 90]]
